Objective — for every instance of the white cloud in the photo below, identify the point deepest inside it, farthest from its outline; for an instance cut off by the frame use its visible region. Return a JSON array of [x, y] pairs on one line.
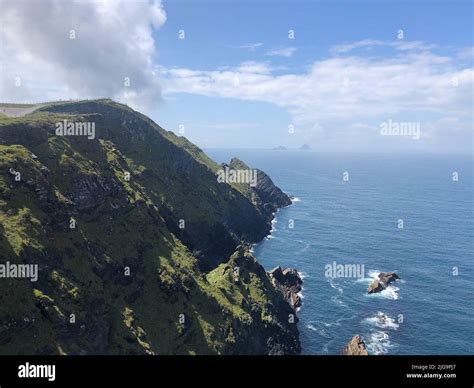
[[466, 53], [368, 44], [249, 46], [344, 48], [349, 96], [113, 40], [282, 52]]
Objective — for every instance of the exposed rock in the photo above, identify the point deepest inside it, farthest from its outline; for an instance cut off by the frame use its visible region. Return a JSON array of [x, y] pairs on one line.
[[380, 284], [289, 283], [355, 347], [280, 336], [269, 196]]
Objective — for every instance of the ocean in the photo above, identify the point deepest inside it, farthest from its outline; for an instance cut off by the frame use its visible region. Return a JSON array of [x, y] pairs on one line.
[[401, 213]]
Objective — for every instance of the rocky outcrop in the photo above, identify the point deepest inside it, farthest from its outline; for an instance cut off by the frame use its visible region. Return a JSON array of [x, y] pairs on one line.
[[265, 194], [355, 347], [289, 283], [278, 334], [381, 283]]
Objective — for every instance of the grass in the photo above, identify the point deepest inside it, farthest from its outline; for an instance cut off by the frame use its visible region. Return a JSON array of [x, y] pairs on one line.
[[10, 105]]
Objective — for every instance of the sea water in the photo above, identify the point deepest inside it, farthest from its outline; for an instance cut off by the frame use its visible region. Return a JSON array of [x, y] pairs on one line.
[[402, 213]]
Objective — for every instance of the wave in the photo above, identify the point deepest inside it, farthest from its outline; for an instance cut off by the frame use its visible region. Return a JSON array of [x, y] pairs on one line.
[[371, 276], [318, 329], [304, 249], [274, 222], [378, 343], [335, 299], [296, 199], [382, 321], [336, 287], [338, 321], [391, 292], [373, 273], [302, 275]]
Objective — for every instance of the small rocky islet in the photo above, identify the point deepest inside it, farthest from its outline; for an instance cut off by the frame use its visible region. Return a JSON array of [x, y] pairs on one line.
[[356, 346]]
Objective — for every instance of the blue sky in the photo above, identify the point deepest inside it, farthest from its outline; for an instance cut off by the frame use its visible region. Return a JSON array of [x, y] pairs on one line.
[[237, 80], [214, 27]]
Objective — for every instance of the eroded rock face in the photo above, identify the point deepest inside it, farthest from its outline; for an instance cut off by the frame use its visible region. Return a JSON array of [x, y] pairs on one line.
[[289, 282], [265, 195], [276, 336], [355, 347], [380, 284]]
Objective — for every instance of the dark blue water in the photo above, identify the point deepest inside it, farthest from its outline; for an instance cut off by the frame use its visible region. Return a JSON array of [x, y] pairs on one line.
[[430, 311]]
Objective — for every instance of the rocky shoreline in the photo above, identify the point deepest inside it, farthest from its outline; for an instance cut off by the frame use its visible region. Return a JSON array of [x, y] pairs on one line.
[[289, 283]]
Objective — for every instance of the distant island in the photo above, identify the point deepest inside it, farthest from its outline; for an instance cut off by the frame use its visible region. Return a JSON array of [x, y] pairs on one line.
[[304, 147]]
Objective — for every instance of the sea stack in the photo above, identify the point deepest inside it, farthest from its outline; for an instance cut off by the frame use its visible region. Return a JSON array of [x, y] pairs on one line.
[[289, 282], [382, 281], [355, 347]]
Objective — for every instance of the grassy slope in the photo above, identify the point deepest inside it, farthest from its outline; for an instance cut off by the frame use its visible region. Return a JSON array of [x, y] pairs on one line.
[[82, 269]]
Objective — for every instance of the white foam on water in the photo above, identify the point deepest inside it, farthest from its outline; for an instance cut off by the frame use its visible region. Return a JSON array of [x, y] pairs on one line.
[[378, 342], [304, 249], [382, 321], [302, 275], [311, 327], [391, 292], [371, 276], [320, 330], [340, 290], [274, 222], [373, 273], [336, 287], [296, 199]]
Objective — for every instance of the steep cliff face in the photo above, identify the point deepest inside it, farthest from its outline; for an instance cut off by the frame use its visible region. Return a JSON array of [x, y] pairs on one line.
[[136, 241], [263, 193]]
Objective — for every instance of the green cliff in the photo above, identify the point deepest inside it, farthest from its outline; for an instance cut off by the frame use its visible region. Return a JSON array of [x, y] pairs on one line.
[[140, 249]]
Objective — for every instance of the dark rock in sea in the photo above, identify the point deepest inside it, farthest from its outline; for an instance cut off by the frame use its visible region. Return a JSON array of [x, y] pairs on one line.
[[289, 282], [305, 147], [355, 347], [380, 284]]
